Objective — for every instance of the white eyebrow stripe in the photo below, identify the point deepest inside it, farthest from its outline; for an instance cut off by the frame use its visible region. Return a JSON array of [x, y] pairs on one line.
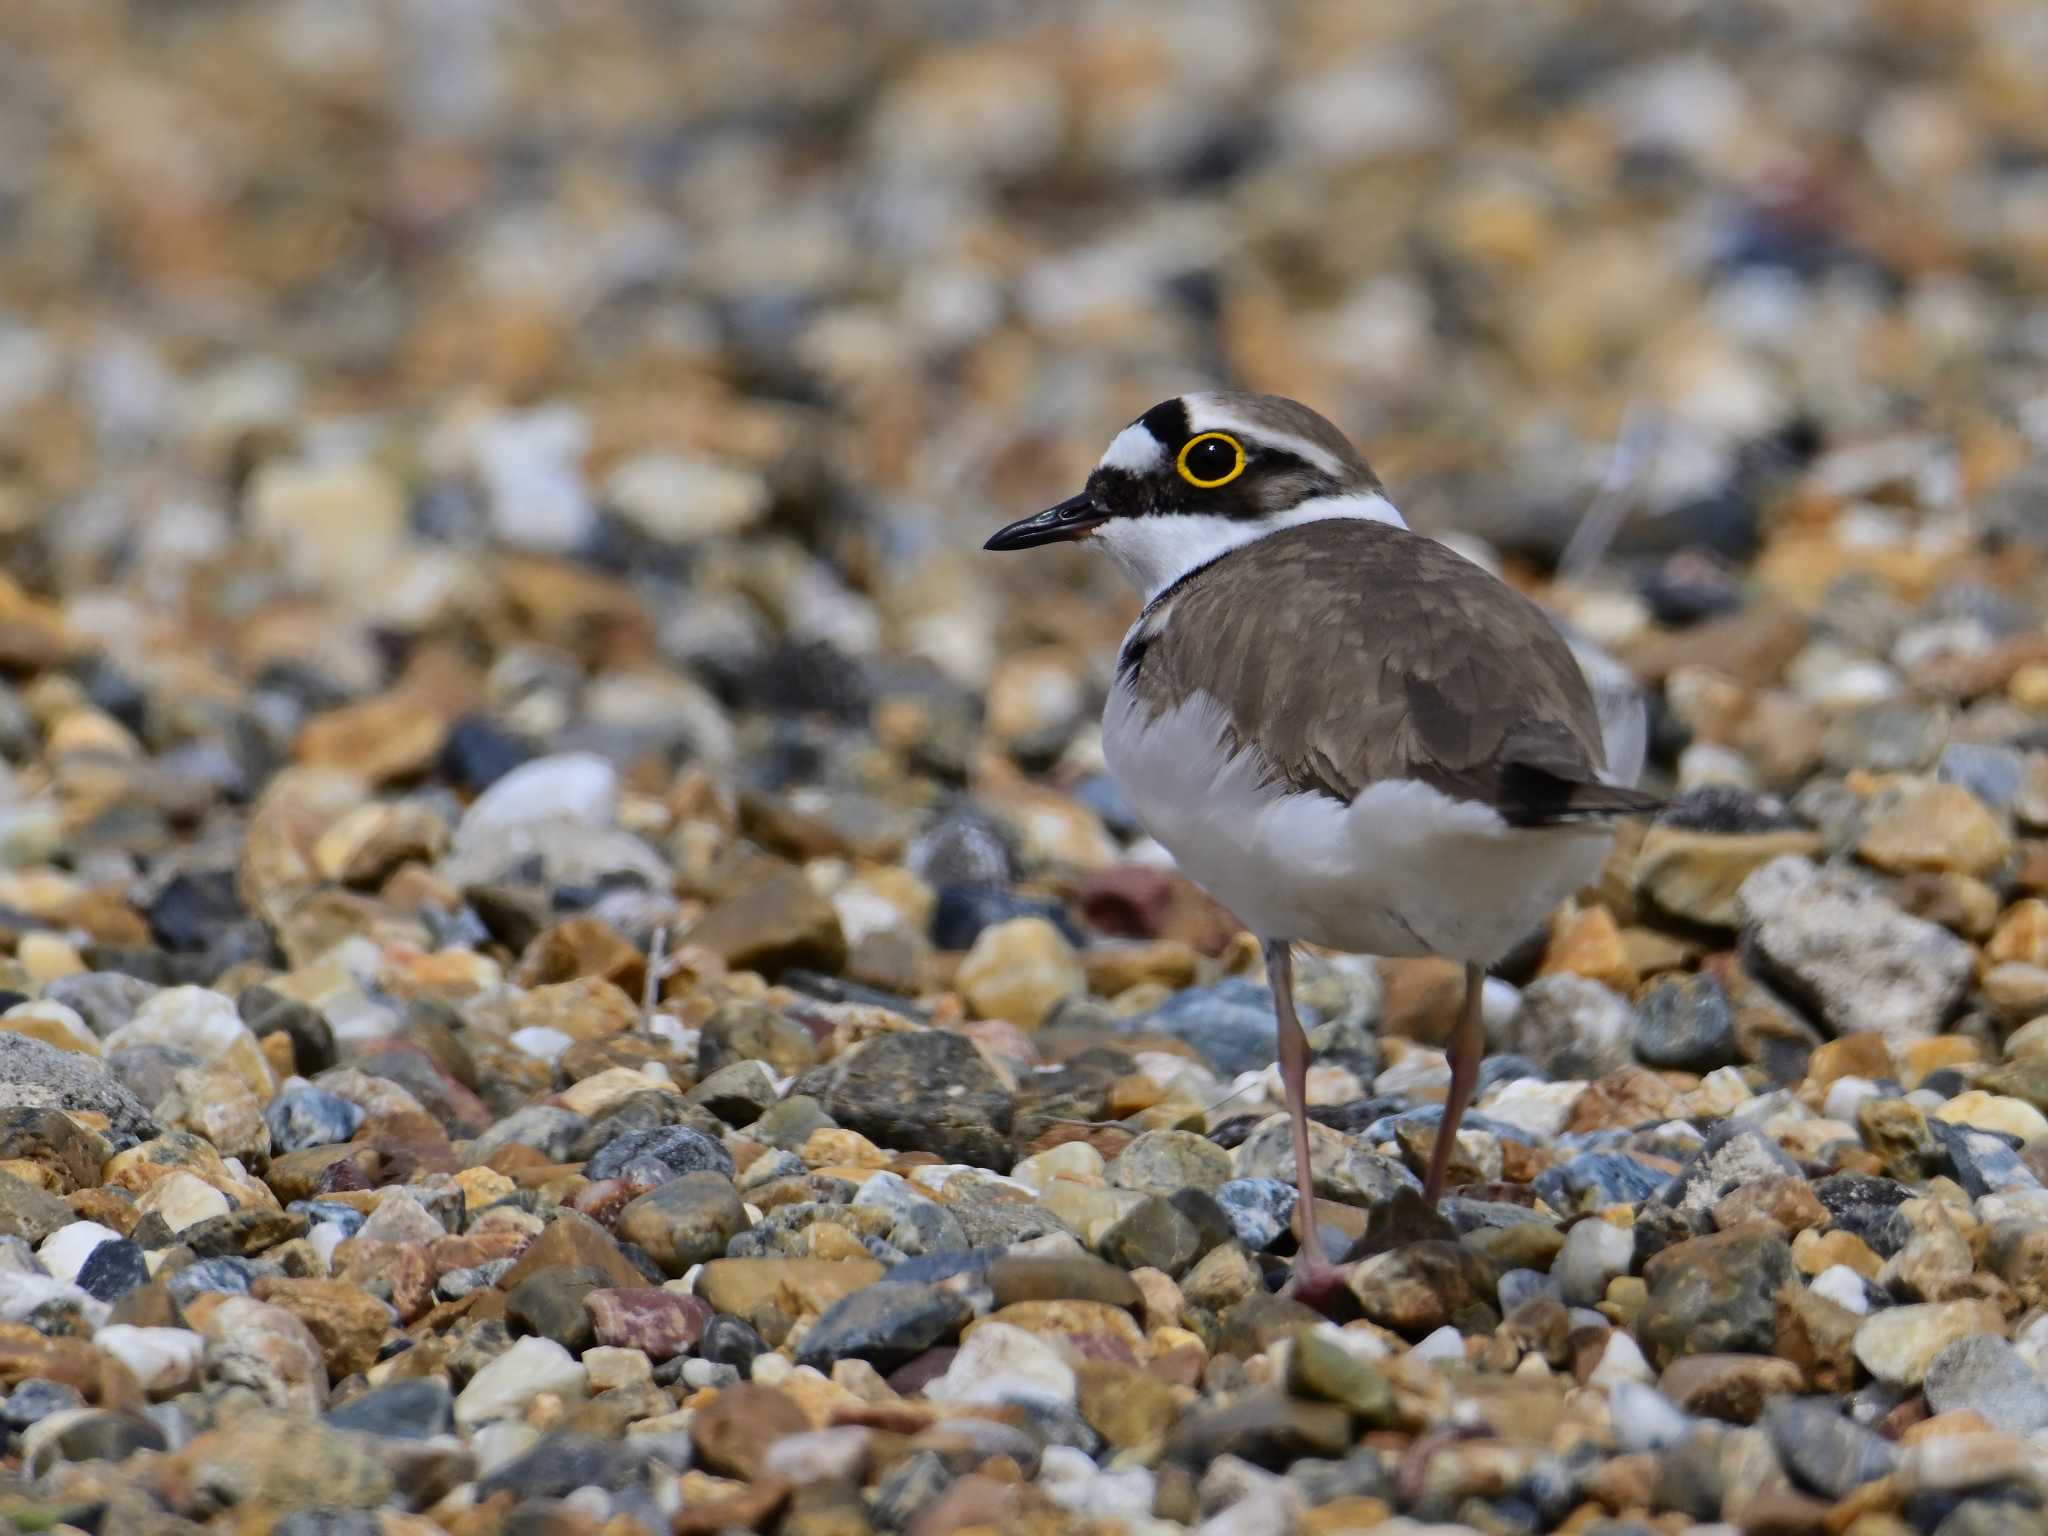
[[1134, 450], [1204, 417]]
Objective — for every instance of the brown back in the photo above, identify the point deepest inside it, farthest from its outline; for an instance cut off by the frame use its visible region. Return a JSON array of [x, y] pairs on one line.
[[1353, 652]]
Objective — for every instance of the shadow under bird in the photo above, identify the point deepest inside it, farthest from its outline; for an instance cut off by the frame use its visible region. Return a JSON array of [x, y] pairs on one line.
[[1345, 731]]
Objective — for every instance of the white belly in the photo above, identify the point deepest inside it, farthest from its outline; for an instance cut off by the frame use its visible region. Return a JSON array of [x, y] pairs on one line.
[[1402, 870]]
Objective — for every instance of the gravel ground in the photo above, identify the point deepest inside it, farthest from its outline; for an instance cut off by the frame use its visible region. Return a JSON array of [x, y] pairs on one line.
[[569, 961]]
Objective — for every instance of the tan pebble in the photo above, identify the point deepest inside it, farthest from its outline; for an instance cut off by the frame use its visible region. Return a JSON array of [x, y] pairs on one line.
[[2015, 990], [1960, 1421], [1814, 1251], [594, 1095], [2021, 934], [830, 1145], [45, 957], [829, 1240], [1650, 952], [53, 1024], [1961, 903], [1114, 969], [89, 731], [1865, 1054], [1163, 1303], [482, 1186], [1075, 1160], [544, 1411], [1586, 941], [861, 1380], [1786, 1201], [615, 1367], [1695, 875], [1919, 1058], [182, 1200], [1353, 1515], [1017, 970], [277, 1052], [2029, 686], [1994, 1112], [1933, 826], [1627, 1295]]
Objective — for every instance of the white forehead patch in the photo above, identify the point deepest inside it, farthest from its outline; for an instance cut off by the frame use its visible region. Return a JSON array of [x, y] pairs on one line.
[[1134, 450], [1206, 414]]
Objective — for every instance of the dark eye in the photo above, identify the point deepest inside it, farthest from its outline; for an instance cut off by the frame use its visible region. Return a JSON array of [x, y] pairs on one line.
[[1210, 460]]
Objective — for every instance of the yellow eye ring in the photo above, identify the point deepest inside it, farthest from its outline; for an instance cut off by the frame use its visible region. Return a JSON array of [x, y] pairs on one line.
[[1236, 467]]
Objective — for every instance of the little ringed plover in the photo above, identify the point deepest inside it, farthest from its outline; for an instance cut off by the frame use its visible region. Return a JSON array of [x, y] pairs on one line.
[[1346, 732]]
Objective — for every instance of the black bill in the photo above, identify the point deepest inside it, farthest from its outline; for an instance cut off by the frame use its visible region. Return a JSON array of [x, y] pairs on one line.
[[1055, 525]]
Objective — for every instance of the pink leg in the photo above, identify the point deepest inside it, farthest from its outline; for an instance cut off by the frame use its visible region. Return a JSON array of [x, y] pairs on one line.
[[1312, 1267], [1468, 1046]]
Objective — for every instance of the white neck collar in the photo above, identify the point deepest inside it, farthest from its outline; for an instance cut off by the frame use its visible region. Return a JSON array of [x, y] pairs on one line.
[[1157, 549]]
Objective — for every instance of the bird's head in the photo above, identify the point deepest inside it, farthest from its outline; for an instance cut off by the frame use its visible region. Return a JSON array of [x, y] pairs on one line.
[[1201, 474]]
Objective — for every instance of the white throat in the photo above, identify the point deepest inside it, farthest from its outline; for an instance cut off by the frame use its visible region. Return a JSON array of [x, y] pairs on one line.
[[1156, 550]]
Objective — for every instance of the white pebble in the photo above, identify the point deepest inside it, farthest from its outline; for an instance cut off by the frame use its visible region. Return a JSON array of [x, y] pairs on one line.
[[505, 1386], [495, 1444], [1444, 1344], [1644, 1418], [1071, 1479], [1594, 1252], [1844, 1094], [541, 1042], [164, 1360], [65, 1250], [1000, 1363], [1844, 1287], [575, 786], [325, 1238], [21, 1293], [1621, 1365]]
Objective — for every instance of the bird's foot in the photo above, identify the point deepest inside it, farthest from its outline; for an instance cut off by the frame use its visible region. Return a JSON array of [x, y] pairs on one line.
[[1318, 1283]]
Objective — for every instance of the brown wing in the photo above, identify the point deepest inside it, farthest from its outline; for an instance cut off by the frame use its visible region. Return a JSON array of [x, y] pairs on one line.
[[1355, 652]]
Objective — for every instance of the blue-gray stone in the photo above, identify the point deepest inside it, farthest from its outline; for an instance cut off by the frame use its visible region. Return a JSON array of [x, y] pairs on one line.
[[561, 1463], [679, 1148], [1231, 1024], [732, 1341], [39, 1076], [1258, 1210], [1594, 1179], [1507, 1067], [347, 1217], [886, 1324], [1869, 1207], [406, 1410], [1734, 1153], [310, 1117], [1985, 1374], [1520, 1285], [1685, 1023], [960, 912], [112, 1270], [1429, 1116], [930, 1268], [36, 1399], [454, 1284], [547, 1128], [1473, 1215], [1992, 773], [1826, 1452], [1985, 1163], [228, 1274]]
